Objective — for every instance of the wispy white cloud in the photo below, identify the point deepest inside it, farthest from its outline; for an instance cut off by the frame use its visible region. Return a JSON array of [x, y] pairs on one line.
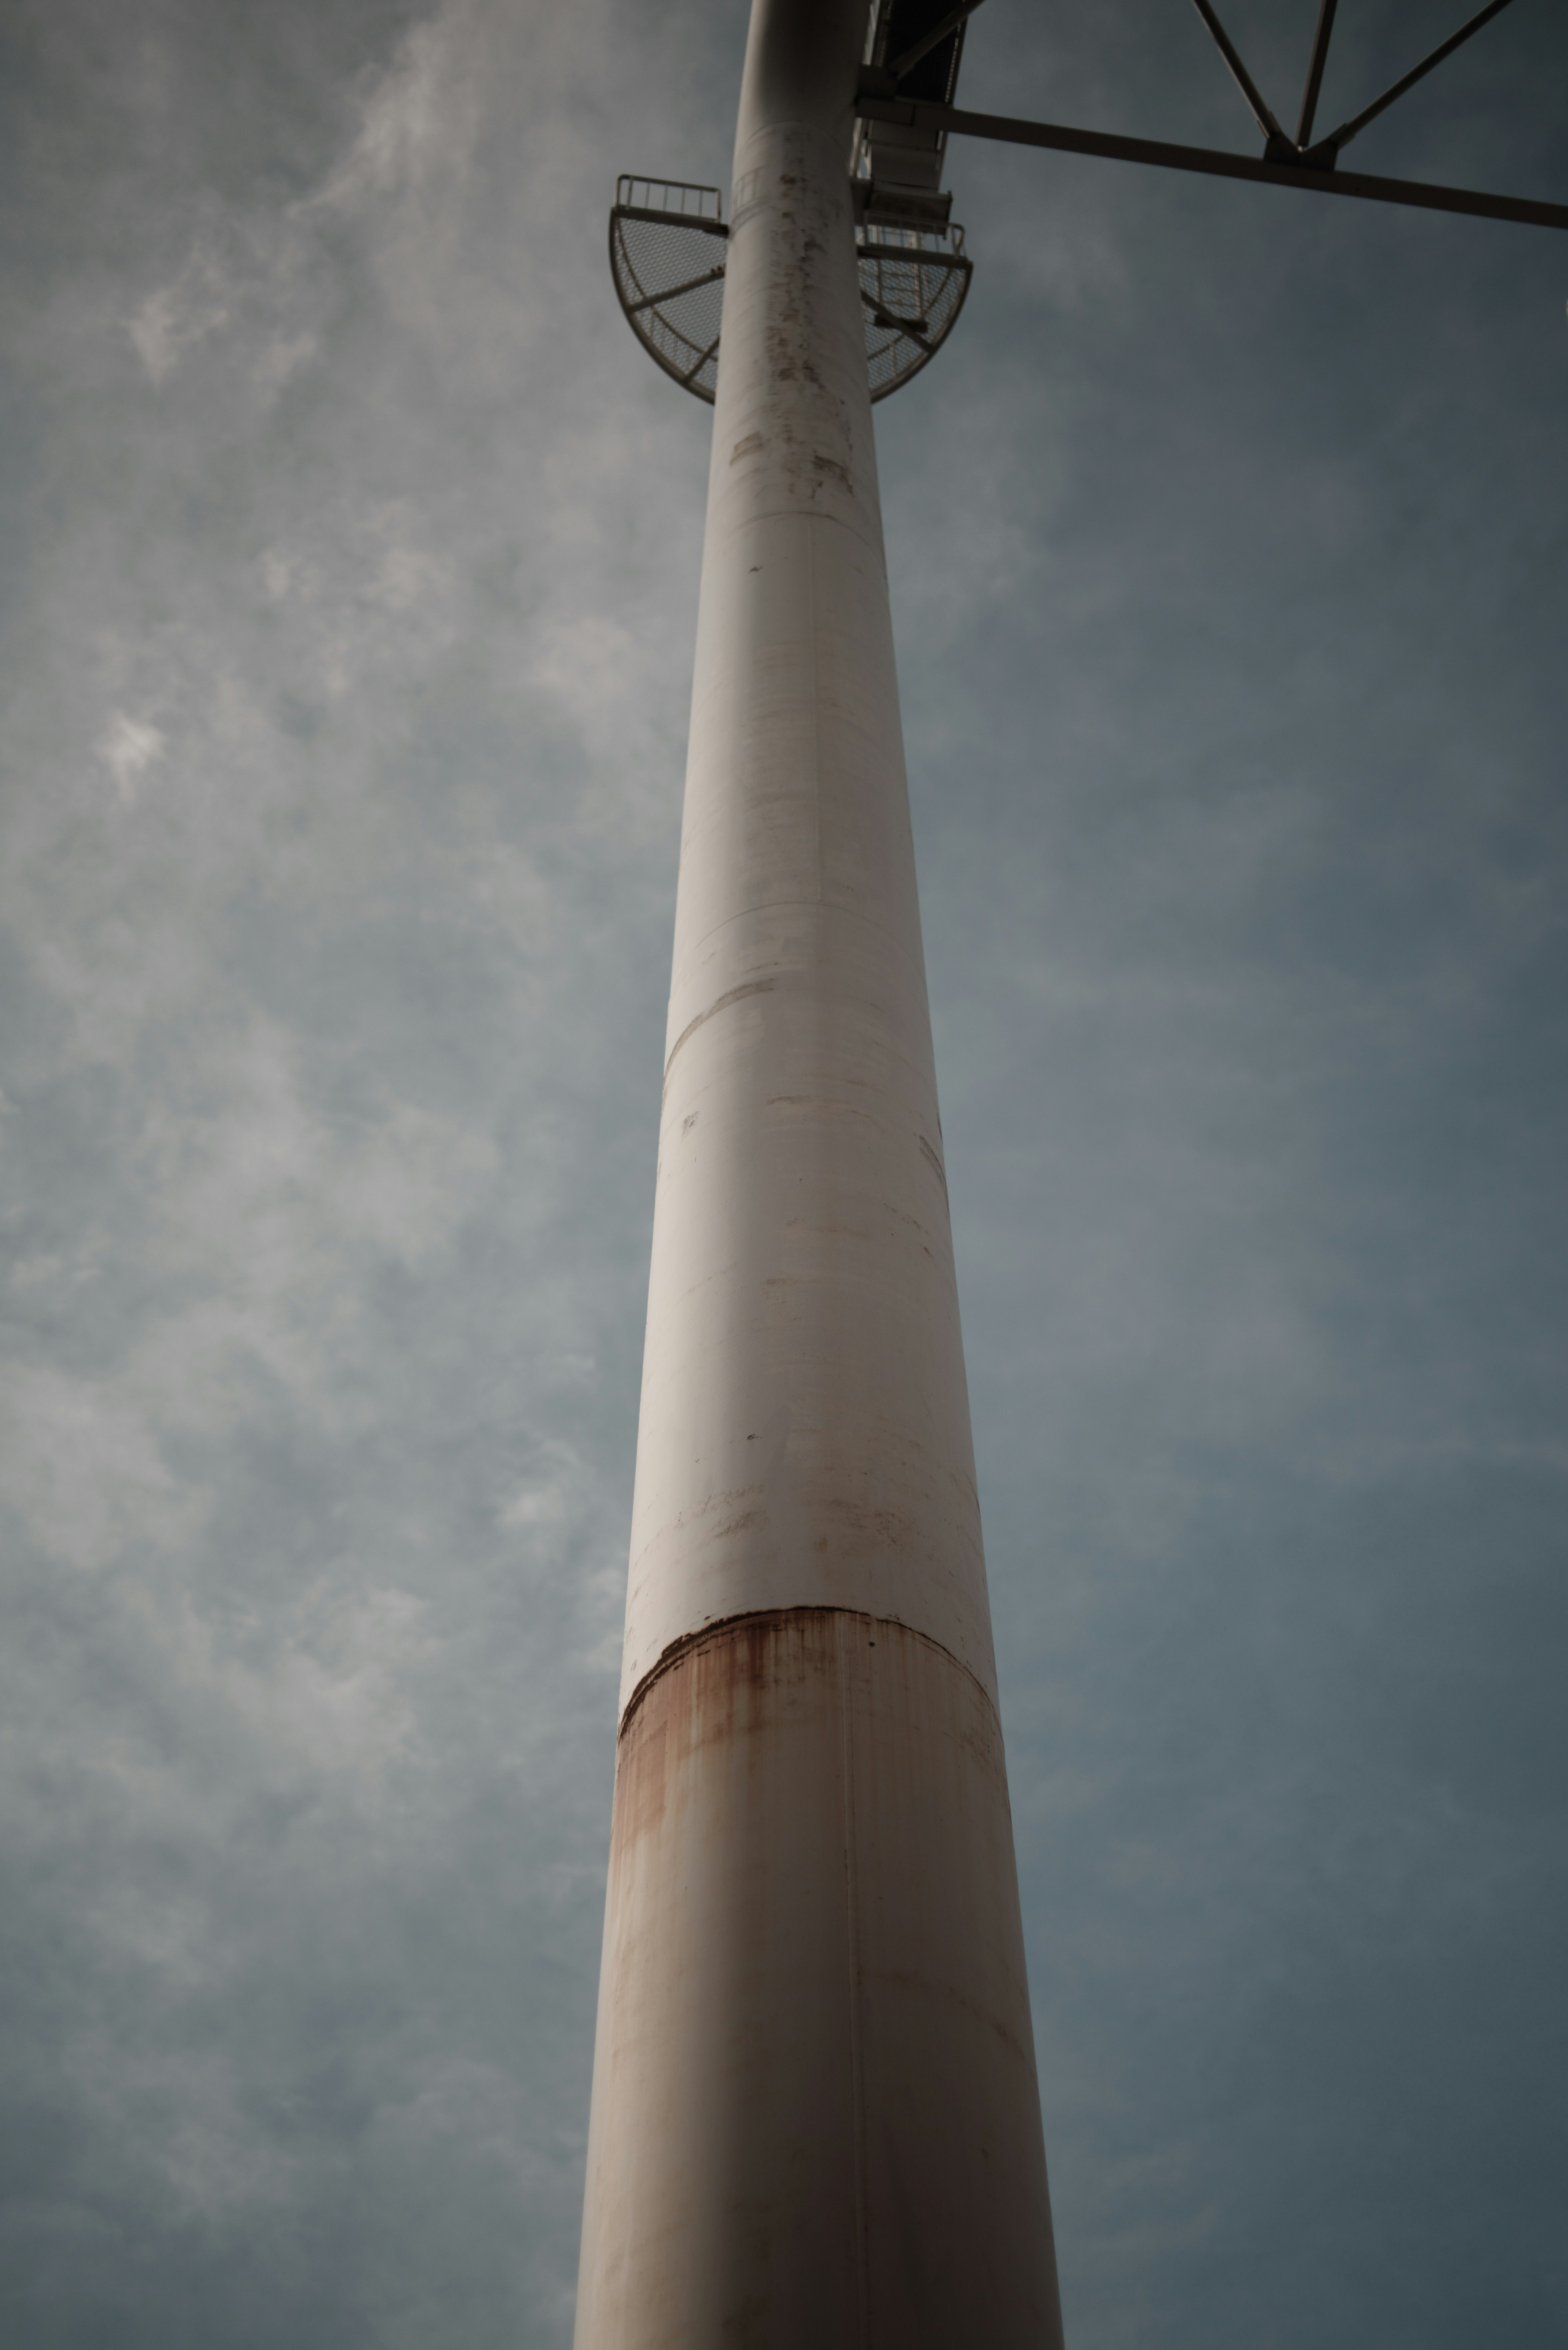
[[351, 627], [128, 747], [420, 115], [178, 316], [83, 1471]]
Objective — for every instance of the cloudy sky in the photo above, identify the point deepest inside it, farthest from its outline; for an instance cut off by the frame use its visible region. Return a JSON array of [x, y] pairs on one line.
[[348, 568]]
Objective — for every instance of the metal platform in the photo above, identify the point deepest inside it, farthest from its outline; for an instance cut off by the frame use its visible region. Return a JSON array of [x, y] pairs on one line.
[[667, 239], [912, 286]]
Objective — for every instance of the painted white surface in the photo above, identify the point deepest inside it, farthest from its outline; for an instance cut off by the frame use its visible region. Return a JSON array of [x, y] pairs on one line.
[[816, 2119], [804, 1432]]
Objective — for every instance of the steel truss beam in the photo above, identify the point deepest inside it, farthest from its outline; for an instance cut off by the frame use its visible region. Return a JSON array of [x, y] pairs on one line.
[[1319, 179]]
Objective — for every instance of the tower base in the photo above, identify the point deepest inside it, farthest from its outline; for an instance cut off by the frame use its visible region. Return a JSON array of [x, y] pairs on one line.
[[816, 2120]]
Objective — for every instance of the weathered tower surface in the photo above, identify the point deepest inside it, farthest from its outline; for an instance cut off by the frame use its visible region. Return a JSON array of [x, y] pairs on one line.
[[814, 2120]]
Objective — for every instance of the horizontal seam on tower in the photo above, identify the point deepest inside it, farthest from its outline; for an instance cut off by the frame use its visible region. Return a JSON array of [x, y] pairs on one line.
[[766, 986], [719, 1004], [679, 1650], [803, 514]]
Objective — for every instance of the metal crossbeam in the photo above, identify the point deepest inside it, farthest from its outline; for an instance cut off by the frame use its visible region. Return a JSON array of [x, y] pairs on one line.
[[700, 362], [915, 330], [1315, 64], [666, 219], [912, 57], [1347, 131], [674, 292], [1244, 82], [1321, 180]]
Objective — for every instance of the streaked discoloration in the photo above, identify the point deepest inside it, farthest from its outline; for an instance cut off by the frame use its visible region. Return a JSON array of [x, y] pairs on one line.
[[813, 1927]]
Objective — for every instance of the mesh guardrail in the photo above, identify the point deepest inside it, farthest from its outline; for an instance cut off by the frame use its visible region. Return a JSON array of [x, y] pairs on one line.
[[666, 243]]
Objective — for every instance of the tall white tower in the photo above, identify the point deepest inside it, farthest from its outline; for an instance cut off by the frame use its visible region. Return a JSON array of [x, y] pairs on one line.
[[815, 2121]]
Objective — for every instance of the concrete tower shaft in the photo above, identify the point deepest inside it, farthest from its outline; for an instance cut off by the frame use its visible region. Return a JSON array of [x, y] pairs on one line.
[[815, 2111]]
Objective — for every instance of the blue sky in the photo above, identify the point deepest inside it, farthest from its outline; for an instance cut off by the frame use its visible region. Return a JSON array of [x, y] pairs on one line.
[[348, 583]]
